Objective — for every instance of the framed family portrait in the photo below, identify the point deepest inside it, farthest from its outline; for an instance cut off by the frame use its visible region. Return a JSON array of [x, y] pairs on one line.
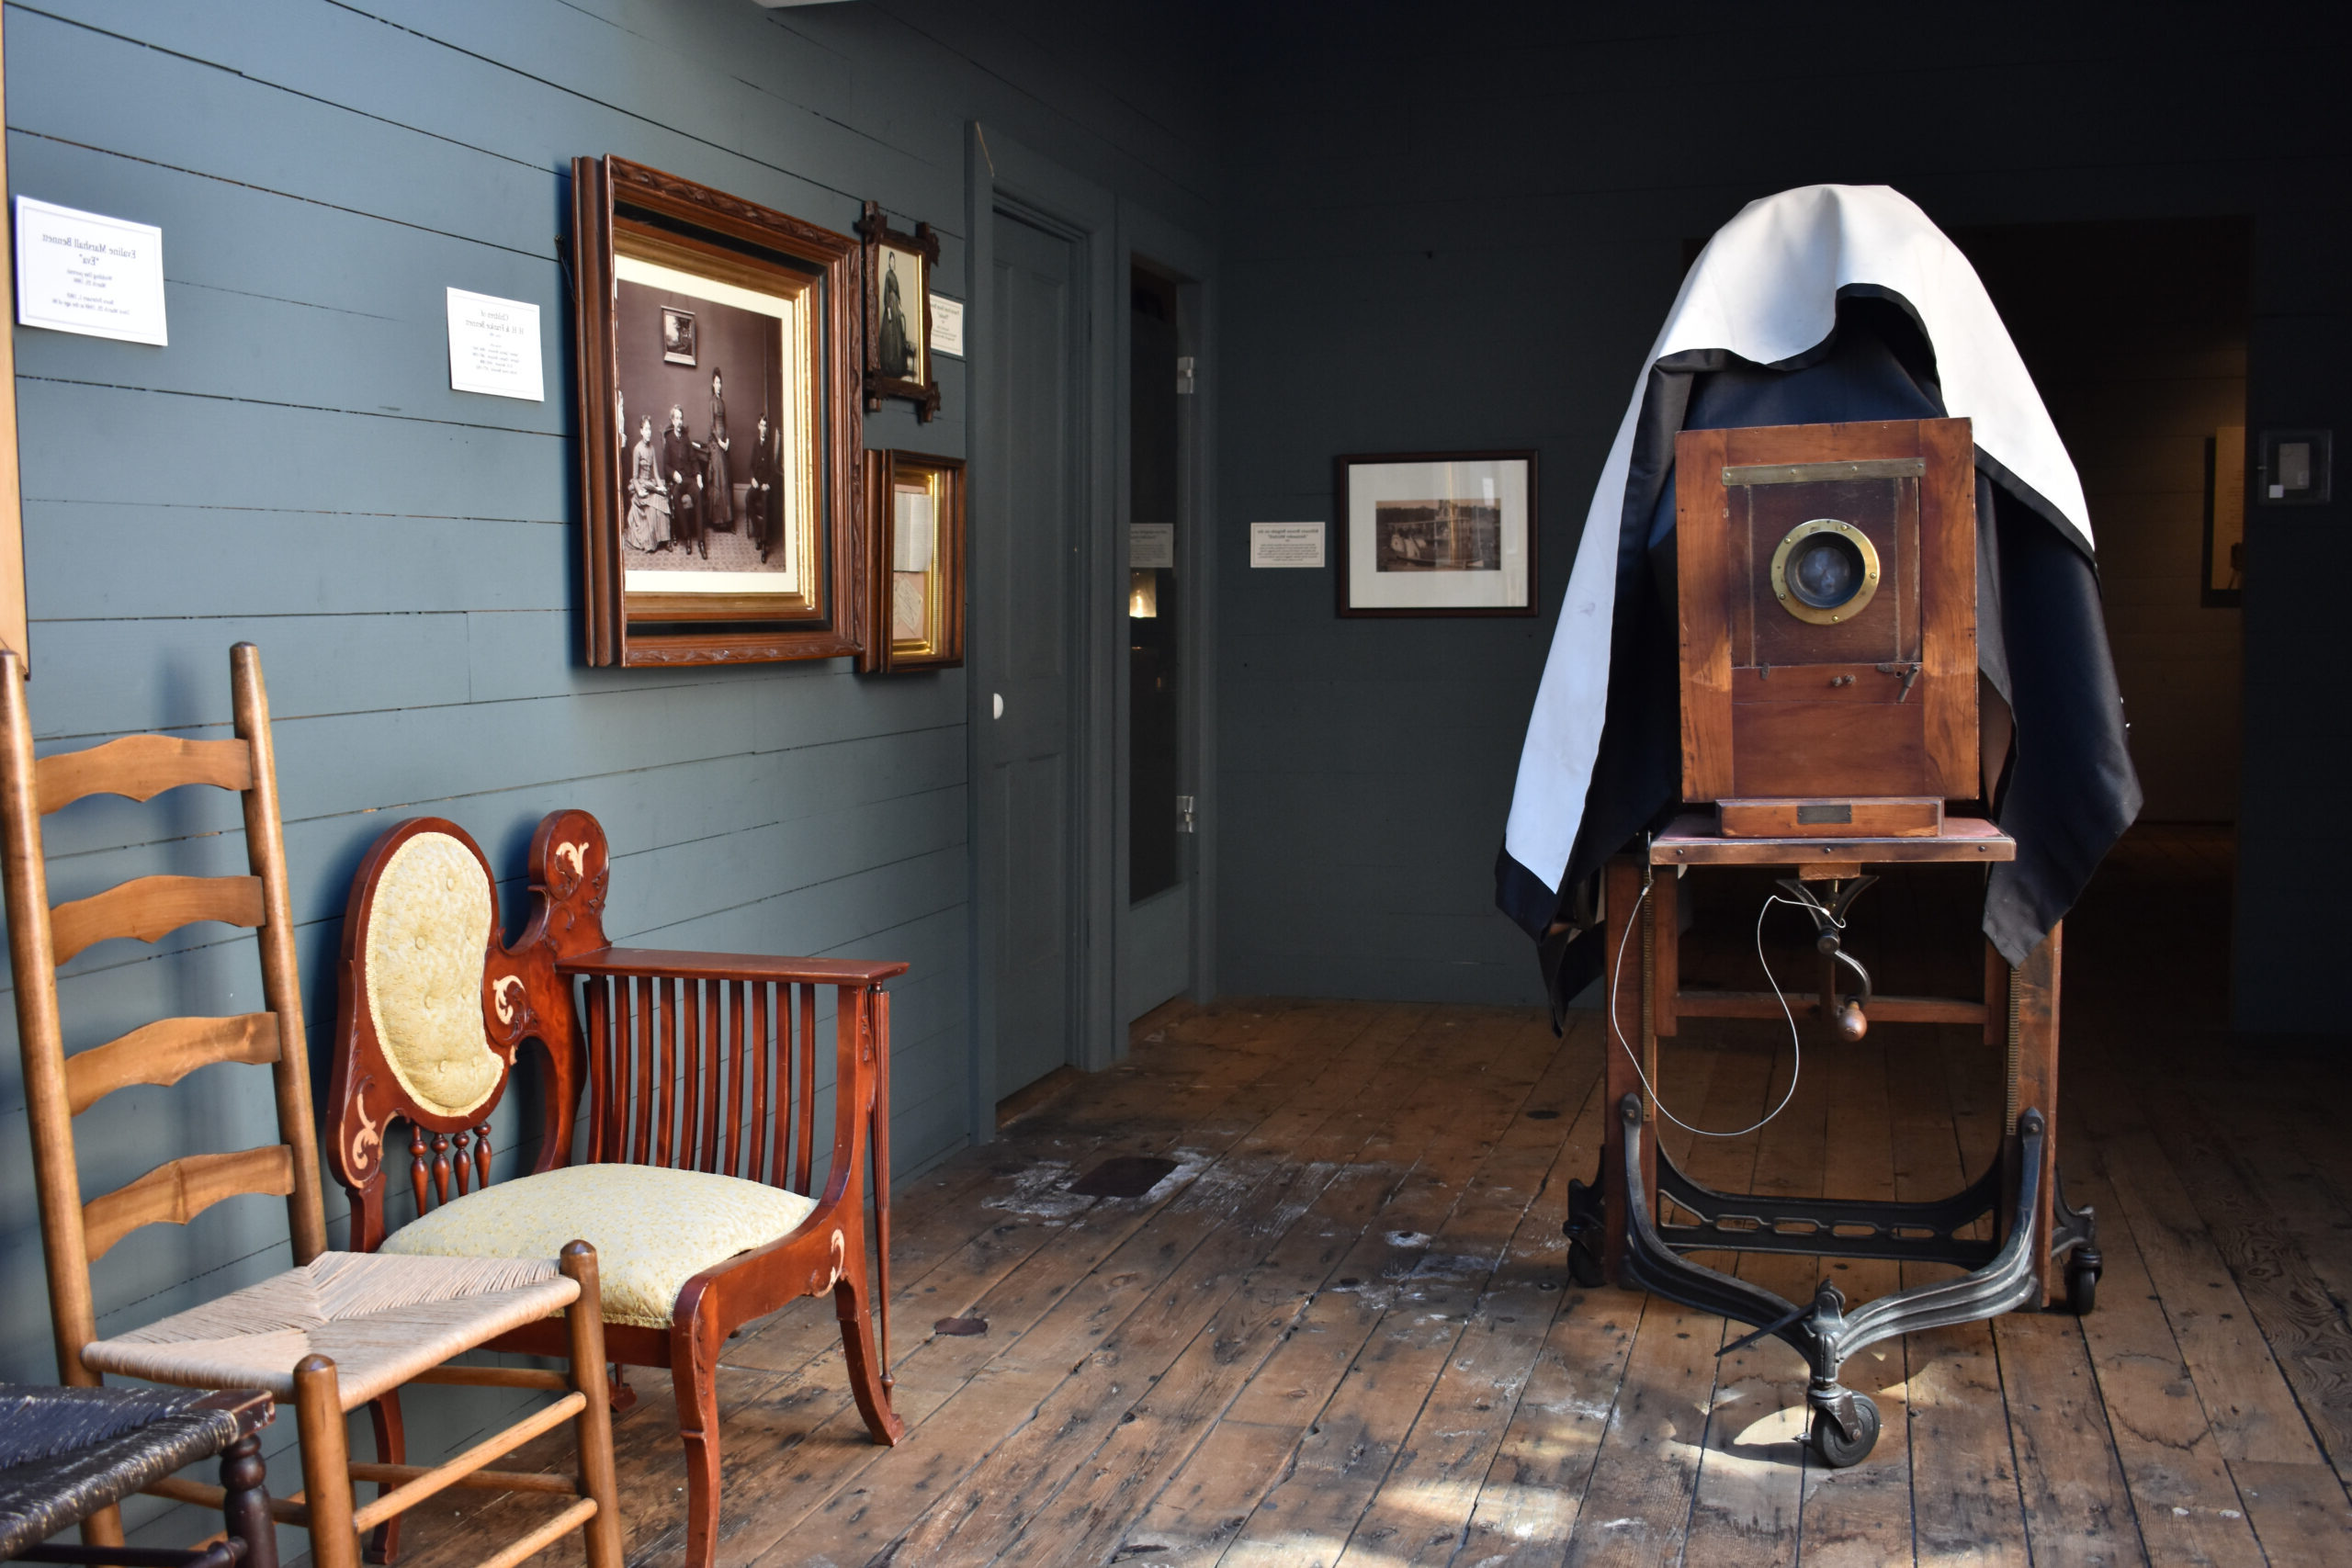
[[1437, 534], [916, 526], [719, 395], [898, 312]]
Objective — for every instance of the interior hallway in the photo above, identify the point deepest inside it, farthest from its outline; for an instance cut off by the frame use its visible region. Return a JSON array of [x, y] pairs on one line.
[[1342, 1331]]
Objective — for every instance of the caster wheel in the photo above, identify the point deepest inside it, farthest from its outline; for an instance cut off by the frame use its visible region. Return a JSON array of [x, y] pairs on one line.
[[2082, 1284], [1584, 1266], [1831, 1444]]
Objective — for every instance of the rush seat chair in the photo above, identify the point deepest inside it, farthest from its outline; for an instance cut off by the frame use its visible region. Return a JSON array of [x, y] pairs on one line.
[[698, 1185], [340, 1330]]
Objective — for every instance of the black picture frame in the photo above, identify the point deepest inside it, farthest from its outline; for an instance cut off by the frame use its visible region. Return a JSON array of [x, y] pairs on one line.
[[1443, 547]]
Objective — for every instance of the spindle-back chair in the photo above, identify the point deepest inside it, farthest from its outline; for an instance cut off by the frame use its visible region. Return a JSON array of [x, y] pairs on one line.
[[339, 1330], [700, 1071]]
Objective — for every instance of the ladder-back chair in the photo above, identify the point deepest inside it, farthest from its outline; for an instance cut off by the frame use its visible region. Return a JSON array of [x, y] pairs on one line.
[[340, 1329], [700, 1073]]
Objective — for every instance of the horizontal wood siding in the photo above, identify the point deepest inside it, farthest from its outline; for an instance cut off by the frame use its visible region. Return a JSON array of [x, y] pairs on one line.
[[294, 470]]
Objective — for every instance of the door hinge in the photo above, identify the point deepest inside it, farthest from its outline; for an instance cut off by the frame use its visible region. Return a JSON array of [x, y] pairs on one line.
[[1185, 376], [1185, 814]]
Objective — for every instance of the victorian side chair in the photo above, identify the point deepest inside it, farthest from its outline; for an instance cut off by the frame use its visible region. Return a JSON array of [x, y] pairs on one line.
[[340, 1330], [698, 1182]]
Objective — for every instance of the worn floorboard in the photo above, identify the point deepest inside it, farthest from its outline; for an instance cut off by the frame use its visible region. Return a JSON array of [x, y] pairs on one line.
[[1344, 1335]]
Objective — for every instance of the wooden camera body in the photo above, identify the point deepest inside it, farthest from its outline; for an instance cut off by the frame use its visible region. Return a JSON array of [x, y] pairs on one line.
[[1827, 590]]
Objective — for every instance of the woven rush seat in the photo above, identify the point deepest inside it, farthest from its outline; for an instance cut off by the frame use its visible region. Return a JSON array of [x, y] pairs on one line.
[[67, 1452], [653, 1229], [381, 1321]]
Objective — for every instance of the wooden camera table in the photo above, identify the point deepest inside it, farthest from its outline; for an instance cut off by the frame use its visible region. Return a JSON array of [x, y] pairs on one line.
[[2042, 1250]]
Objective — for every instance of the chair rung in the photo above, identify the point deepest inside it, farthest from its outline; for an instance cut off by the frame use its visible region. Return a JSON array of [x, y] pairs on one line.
[[441, 1477], [150, 907], [166, 1051], [175, 1192], [473, 1481], [285, 1510], [539, 1540], [142, 767], [496, 1377]]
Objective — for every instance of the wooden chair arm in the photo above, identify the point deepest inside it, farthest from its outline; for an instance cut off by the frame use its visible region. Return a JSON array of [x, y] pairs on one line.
[[683, 964]]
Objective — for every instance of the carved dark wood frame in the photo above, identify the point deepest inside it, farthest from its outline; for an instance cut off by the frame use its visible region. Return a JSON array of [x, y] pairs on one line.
[[881, 655], [678, 212], [528, 992], [875, 231]]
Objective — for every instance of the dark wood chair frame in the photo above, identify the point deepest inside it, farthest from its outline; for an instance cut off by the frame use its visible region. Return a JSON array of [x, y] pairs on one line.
[[675, 1053]]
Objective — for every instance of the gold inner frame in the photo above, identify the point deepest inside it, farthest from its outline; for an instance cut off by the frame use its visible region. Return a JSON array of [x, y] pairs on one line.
[[1834, 614], [933, 483], [803, 372]]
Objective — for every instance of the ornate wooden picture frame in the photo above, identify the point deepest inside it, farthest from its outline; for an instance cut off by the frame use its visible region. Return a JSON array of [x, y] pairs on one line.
[[897, 314], [1436, 533], [720, 424], [915, 524]]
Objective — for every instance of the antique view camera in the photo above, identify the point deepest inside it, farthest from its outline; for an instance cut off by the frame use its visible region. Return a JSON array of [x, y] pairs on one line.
[[1827, 586]]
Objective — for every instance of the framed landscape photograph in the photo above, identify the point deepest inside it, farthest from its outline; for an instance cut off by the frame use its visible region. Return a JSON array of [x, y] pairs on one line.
[[714, 343], [898, 312], [1436, 533], [916, 526]]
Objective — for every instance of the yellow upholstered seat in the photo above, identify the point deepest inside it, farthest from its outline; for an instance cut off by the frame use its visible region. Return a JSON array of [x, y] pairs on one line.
[[653, 1229]]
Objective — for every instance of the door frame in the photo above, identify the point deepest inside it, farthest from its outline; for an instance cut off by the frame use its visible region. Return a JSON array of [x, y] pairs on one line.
[[1000, 174], [1144, 236]]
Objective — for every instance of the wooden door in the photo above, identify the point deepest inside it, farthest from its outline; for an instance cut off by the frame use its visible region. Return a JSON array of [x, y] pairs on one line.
[[1029, 792]]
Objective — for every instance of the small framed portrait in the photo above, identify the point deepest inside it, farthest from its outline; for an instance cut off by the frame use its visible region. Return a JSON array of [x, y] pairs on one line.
[[915, 521], [1437, 534], [722, 515], [898, 312], [677, 336]]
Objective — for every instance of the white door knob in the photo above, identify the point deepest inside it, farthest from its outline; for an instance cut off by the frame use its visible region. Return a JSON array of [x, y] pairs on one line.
[[997, 698]]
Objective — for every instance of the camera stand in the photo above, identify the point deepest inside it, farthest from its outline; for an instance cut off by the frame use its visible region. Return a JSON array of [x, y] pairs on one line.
[[1633, 1223]]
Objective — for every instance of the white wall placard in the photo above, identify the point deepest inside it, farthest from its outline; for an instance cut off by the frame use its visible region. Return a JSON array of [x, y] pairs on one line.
[[947, 326], [1285, 544], [82, 272], [494, 346], [1151, 546]]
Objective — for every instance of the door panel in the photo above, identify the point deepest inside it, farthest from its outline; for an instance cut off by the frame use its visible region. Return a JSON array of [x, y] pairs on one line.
[[1030, 746]]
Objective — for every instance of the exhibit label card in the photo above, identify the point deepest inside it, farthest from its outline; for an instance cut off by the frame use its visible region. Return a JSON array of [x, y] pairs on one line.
[[81, 272], [494, 346], [1151, 546], [1285, 544], [947, 326]]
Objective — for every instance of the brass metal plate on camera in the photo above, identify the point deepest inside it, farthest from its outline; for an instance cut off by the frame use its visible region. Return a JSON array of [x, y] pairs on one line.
[[1820, 473], [1844, 609]]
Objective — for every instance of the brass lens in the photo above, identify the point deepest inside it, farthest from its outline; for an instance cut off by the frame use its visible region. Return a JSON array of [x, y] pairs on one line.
[[1825, 572]]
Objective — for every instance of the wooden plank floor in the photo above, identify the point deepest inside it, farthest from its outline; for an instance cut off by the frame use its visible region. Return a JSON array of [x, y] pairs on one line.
[[1342, 1333]]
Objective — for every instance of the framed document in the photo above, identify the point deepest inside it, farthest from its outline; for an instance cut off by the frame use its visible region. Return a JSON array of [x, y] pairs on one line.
[[718, 400], [898, 312], [916, 525], [1437, 534]]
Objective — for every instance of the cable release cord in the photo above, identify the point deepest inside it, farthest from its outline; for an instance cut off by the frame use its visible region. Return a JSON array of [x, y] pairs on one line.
[[1796, 1044]]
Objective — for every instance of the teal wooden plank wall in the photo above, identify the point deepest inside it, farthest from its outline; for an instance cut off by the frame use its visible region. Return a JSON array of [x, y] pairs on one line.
[[1460, 229], [294, 470]]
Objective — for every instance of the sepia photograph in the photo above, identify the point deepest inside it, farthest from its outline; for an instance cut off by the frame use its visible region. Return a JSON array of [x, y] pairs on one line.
[[900, 347], [898, 312], [1438, 536], [713, 435], [678, 336]]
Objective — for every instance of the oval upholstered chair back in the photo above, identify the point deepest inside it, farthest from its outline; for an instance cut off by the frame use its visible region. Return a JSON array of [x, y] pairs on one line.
[[423, 968]]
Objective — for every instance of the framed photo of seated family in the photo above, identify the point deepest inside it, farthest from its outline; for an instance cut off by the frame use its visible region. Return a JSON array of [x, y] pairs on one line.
[[916, 524], [898, 312], [719, 402], [1437, 534]]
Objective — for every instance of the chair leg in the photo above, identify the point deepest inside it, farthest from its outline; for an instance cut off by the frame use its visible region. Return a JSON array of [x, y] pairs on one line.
[[391, 1448], [326, 1463], [593, 1428], [852, 1303], [694, 1377], [244, 1508]]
